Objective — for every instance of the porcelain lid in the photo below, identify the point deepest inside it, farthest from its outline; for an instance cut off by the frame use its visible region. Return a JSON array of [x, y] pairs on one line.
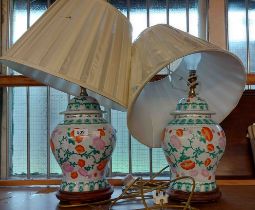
[[83, 104], [192, 105]]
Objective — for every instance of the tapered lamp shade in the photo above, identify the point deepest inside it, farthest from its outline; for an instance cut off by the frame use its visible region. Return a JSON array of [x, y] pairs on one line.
[[221, 75], [78, 43]]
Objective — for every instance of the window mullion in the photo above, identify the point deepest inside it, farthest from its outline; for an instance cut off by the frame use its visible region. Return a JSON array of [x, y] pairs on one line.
[[247, 37], [28, 106], [187, 15]]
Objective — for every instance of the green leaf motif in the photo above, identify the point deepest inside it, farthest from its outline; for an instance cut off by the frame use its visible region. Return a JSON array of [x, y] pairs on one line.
[[73, 164], [89, 168], [71, 141], [199, 163], [183, 157], [202, 139]]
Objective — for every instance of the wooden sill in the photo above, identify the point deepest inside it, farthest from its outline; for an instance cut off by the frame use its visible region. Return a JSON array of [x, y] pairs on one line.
[[114, 182], [19, 80]]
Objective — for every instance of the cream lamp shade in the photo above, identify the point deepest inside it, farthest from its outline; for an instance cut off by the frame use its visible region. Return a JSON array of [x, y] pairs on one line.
[[78, 43], [221, 74]]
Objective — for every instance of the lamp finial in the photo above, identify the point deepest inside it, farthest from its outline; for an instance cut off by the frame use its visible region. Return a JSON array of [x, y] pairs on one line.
[[192, 83], [83, 92]]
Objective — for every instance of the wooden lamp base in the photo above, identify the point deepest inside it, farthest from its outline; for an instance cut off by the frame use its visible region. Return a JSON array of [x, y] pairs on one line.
[[198, 197], [84, 197]]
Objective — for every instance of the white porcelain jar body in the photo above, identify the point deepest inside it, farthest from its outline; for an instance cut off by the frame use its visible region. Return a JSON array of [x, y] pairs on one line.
[[193, 145], [83, 146]]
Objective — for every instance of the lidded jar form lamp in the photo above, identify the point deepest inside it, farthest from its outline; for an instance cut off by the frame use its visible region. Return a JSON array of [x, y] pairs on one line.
[[83, 146], [193, 144]]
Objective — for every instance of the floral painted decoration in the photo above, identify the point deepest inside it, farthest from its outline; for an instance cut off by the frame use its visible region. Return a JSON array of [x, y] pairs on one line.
[[193, 145], [83, 146]]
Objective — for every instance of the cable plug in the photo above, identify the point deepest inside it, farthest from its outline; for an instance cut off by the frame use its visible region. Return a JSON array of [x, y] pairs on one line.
[[128, 180], [160, 197]]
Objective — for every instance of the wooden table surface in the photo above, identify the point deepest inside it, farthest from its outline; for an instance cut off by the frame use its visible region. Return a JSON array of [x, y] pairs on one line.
[[43, 198]]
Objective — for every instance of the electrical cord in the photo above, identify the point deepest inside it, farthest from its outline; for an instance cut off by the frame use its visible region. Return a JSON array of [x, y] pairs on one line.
[[139, 189]]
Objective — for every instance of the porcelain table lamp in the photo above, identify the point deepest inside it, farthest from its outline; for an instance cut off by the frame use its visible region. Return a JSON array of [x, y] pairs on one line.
[[83, 145], [80, 43], [193, 144], [192, 140]]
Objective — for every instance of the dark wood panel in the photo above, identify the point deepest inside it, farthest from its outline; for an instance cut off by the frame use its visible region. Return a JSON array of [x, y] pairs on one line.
[[18, 80], [237, 160]]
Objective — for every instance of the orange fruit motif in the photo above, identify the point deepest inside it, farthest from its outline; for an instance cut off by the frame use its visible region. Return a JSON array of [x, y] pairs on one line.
[[78, 139], [207, 162], [102, 132], [179, 132], [81, 163], [102, 165], [74, 175], [80, 149], [210, 147], [188, 164], [207, 133]]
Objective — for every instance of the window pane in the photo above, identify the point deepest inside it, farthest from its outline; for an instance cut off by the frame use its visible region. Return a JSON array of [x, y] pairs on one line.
[[58, 103], [120, 5], [120, 155], [140, 158], [252, 35], [177, 14], [18, 131], [38, 130], [138, 16], [159, 161], [193, 17], [237, 29], [37, 8], [158, 12], [19, 19]]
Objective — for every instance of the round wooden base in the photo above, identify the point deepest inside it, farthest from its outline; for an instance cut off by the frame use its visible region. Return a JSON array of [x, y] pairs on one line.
[[84, 197], [197, 197]]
